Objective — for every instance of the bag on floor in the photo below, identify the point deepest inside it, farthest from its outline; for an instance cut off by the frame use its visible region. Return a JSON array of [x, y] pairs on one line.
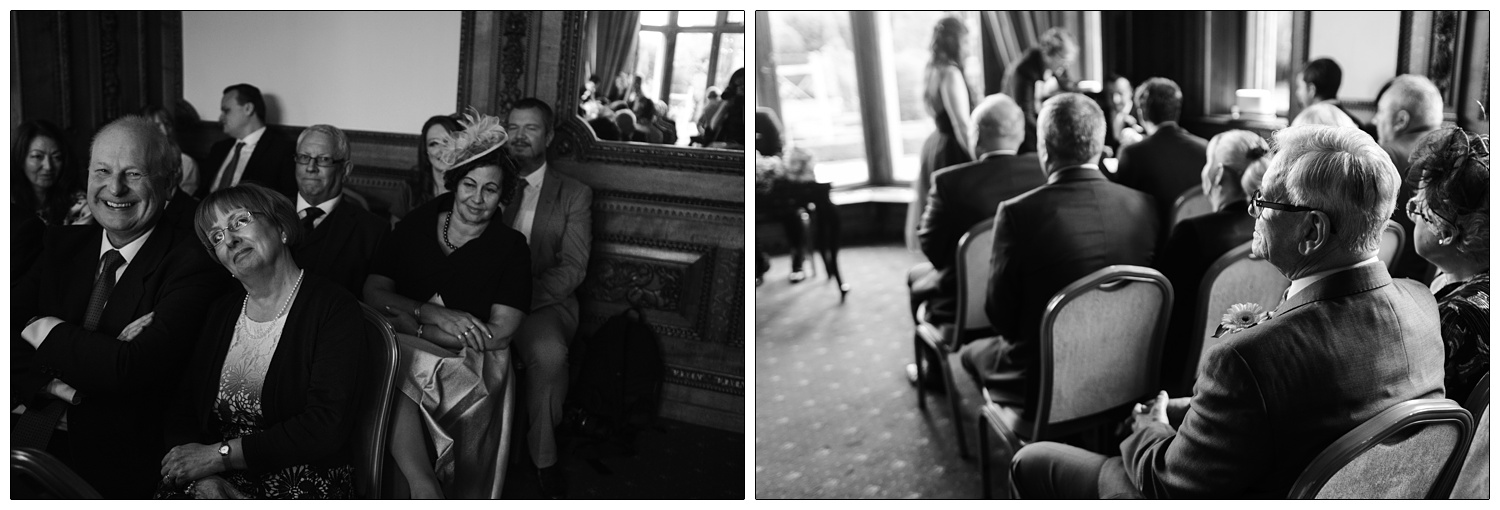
[[619, 389]]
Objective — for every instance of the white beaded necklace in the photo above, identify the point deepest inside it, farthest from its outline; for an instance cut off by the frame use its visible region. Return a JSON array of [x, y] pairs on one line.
[[261, 329]]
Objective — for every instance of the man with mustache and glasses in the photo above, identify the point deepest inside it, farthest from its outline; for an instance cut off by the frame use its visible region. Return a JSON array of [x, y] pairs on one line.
[[339, 236], [552, 211], [102, 325]]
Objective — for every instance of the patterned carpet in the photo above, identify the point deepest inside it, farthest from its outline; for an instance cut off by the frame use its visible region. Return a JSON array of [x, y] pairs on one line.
[[672, 460], [834, 415]]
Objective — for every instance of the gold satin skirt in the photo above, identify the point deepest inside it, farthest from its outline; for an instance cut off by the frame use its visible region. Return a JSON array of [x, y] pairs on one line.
[[466, 399]]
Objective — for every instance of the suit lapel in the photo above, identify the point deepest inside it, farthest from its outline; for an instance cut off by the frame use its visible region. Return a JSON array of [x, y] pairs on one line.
[[544, 224], [130, 290]]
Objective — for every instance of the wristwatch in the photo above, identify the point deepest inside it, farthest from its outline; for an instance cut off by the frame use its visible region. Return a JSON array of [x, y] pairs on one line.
[[224, 451]]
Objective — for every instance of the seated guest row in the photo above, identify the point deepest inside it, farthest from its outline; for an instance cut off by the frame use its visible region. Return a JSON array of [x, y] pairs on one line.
[[113, 311], [1317, 204]]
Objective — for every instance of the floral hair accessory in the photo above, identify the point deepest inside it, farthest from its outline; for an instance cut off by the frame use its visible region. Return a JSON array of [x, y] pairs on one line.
[[1241, 317], [481, 135]]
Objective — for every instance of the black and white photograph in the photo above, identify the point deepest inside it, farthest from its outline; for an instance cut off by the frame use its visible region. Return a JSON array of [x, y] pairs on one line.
[[1121, 255], [378, 255]]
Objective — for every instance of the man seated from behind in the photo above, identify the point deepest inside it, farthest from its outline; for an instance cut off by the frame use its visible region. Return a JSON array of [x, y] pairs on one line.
[[1348, 343], [1076, 223], [338, 236], [965, 195], [1410, 109], [1318, 91], [1167, 161]]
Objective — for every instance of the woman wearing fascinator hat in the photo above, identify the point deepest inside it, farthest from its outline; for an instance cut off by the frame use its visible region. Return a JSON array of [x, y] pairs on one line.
[[455, 282]]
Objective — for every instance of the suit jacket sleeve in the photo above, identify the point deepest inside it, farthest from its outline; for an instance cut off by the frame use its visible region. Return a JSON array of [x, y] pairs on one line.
[[327, 420], [94, 362], [937, 235], [1002, 306], [1124, 169], [558, 282], [1223, 445]]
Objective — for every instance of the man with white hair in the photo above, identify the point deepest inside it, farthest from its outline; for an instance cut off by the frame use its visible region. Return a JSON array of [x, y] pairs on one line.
[[1075, 224], [1347, 343], [1409, 109], [103, 324], [339, 238]]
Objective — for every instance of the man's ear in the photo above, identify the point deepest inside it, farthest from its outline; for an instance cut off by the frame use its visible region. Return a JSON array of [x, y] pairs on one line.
[[1400, 121], [1316, 228]]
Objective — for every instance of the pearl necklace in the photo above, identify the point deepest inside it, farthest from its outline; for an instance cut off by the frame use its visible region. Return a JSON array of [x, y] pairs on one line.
[[446, 220], [245, 306]]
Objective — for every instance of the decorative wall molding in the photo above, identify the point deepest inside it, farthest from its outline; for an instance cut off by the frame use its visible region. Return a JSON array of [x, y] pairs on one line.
[[513, 59], [705, 380], [738, 207]]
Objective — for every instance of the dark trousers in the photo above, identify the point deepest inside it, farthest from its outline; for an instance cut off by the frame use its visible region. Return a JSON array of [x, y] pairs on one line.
[[1047, 470]]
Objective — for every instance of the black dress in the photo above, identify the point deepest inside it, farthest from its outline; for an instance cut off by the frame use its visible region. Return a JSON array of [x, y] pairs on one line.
[[941, 150]]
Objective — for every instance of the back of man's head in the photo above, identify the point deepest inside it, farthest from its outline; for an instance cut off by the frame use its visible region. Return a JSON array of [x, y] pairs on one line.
[[1418, 98], [247, 93], [163, 159], [999, 124], [1071, 129], [1341, 172], [1324, 74], [1159, 100]]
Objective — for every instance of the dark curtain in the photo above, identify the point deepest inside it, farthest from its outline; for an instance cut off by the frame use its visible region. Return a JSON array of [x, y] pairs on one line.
[[614, 45]]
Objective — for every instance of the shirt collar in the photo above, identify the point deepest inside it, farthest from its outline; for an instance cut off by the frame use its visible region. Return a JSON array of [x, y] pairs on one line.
[[1001, 152], [534, 181], [326, 206], [129, 250], [1307, 281], [254, 136]]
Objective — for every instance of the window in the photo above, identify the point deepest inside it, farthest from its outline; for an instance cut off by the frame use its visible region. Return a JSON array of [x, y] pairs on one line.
[[818, 92], [1268, 66], [682, 53]]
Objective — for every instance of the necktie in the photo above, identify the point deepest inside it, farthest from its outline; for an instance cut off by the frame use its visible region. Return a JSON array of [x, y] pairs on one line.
[[228, 173], [34, 429], [518, 196], [311, 214]]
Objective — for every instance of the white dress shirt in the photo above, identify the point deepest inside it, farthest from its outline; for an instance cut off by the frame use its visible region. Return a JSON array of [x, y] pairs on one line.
[[250, 141], [327, 208], [526, 215]]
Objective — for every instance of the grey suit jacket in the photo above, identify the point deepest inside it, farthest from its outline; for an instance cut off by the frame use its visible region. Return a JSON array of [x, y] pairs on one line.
[[561, 236], [1272, 397]]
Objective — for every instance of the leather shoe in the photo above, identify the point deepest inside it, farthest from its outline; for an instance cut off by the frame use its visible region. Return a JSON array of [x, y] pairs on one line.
[[552, 482], [797, 276]]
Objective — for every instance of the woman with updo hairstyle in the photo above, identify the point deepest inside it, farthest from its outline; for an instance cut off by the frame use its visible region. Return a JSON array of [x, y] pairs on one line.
[[949, 100], [428, 182], [455, 282], [1451, 215], [1236, 160]]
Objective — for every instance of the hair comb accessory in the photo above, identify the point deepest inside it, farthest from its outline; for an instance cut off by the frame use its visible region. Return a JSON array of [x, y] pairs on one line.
[[1255, 153], [481, 135]]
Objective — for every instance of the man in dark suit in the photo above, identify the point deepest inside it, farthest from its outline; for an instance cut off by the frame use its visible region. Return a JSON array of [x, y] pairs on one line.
[[1410, 109], [1075, 224], [964, 195], [102, 325], [553, 211], [254, 152], [1347, 344], [1318, 86], [1165, 163], [339, 236]]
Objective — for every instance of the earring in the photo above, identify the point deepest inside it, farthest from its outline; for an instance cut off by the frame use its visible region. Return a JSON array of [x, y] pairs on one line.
[[283, 238]]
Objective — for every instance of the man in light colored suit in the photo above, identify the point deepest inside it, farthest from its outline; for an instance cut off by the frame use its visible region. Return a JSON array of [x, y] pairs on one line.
[[1348, 343], [553, 211]]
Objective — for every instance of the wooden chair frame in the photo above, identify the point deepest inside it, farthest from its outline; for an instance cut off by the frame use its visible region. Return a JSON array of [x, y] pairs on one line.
[[1381, 427], [369, 480], [50, 473], [930, 337]]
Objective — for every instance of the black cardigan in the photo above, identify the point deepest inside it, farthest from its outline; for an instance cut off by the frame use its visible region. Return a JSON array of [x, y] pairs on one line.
[[312, 388]]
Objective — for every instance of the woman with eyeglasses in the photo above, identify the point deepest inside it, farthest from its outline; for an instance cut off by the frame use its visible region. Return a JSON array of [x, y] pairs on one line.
[[1451, 214], [267, 406]]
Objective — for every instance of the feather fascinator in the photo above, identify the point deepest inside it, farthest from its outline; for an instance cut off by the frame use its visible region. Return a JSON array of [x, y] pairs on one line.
[[481, 135]]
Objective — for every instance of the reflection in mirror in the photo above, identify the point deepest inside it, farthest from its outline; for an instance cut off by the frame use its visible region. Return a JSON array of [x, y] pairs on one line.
[[664, 77]]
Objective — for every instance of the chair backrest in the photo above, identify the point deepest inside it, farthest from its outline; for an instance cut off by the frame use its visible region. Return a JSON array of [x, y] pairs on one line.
[[973, 265], [1392, 241], [1101, 341], [1233, 279], [373, 427], [1473, 480], [1190, 204], [34, 470], [1409, 451]]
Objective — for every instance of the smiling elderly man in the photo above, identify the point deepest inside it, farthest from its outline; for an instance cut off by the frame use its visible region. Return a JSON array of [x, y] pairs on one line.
[[103, 323], [339, 237], [1347, 343]]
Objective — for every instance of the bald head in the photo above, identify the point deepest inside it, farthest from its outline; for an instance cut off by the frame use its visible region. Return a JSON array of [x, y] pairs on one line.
[[1411, 106], [998, 124]]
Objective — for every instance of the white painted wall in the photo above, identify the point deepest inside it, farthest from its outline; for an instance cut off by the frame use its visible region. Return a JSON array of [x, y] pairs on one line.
[[368, 71], [1364, 43]]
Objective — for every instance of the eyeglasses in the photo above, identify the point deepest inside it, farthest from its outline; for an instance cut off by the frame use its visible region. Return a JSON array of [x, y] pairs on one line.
[[1256, 204], [216, 236], [1419, 209], [323, 161]]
